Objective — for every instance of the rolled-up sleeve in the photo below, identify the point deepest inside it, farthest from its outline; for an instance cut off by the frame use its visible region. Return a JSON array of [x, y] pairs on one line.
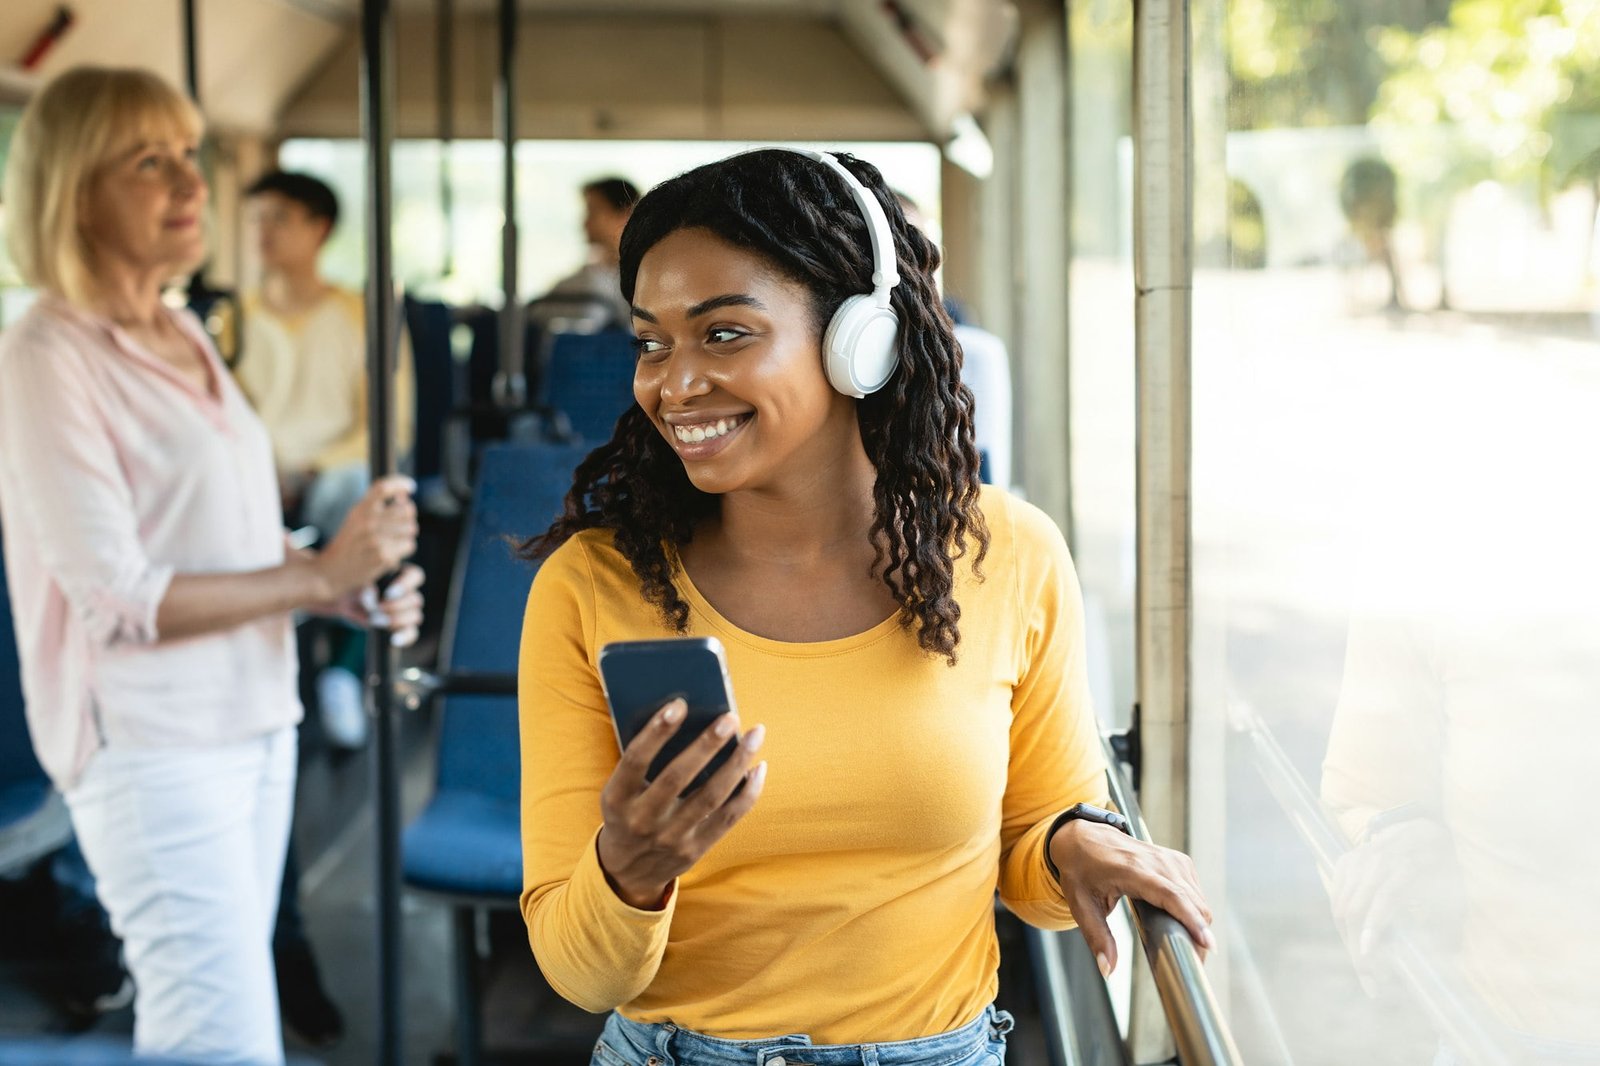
[[67, 484]]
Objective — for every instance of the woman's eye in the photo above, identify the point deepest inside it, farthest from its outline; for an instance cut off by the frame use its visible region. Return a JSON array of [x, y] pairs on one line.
[[150, 162], [646, 347], [724, 335]]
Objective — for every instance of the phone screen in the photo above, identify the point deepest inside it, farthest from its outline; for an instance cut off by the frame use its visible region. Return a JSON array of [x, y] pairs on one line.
[[639, 676]]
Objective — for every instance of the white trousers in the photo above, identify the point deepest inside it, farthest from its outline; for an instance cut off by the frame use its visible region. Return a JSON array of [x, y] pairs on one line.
[[187, 848]]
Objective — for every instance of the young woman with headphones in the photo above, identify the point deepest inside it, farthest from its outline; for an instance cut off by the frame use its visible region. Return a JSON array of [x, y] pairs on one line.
[[798, 479]]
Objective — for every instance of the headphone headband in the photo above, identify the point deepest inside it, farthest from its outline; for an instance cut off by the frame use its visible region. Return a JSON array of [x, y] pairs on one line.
[[885, 276]]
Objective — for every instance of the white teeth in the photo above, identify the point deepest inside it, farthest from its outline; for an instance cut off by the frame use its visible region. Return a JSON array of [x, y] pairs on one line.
[[707, 430]]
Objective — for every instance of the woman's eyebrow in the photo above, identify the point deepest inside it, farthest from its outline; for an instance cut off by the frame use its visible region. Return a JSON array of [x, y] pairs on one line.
[[704, 307], [726, 300]]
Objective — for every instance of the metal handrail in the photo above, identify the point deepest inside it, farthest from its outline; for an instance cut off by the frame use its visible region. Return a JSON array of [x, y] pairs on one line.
[[416, 687], [1440, 998], [1198, 1028]]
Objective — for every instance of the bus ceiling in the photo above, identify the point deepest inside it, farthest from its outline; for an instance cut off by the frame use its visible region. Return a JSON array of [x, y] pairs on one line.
[[649, 69]]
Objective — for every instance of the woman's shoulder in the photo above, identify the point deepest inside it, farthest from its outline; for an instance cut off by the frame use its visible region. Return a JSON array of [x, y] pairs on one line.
[[1017, 527], [587, 559], [47, 332]]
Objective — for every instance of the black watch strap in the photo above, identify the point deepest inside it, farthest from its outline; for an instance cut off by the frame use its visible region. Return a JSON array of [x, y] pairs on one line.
[[1089, 813]]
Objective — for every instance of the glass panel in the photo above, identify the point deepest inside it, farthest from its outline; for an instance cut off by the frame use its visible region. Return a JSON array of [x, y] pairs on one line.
[[550, 175], [1397, 587], [1100, 315], [14, 299]]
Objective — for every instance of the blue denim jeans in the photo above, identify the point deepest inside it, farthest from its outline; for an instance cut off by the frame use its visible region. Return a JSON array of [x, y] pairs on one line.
[[981, 1042]]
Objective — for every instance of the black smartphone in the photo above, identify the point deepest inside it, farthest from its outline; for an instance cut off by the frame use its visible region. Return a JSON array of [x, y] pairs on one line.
[[640, 675]]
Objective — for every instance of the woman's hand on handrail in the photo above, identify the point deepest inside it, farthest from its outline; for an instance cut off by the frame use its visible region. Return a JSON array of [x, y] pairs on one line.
[[1100, 864], [651, 833], [398, 609], [378, 534]]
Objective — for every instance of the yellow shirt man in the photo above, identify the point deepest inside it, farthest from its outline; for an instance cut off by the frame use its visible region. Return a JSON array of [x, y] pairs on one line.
[[307, 377], [856, 901]]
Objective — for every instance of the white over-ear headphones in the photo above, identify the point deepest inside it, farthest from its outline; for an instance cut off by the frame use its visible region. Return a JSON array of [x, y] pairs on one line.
[[860, 347]]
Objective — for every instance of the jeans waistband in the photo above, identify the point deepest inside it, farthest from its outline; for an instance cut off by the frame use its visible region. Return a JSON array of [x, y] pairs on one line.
[[671, 1045]]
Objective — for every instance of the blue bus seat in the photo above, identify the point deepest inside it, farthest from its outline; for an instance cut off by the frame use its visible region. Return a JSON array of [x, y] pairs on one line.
[[33, 820], [466, 845], [590, 378], [466, 842], [429, 323]]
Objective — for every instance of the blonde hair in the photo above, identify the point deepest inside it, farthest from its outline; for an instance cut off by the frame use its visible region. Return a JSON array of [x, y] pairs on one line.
[[68, 132]]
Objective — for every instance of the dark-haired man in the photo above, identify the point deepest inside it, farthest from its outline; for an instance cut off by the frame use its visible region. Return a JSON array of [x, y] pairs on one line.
[[593, 293]]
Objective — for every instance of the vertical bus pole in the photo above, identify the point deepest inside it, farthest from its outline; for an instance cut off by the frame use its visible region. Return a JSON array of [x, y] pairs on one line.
[[511, 385], [1163, 265], [445, 61], [376, 115], [191, 52]]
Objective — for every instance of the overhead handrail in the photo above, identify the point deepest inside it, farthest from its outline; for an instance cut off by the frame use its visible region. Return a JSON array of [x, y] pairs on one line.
[[1198, 1028], [1439, 996]]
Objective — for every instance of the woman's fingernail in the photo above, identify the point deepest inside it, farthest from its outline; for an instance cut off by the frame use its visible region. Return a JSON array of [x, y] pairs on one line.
[[753, 739], [673, 711], [1206, 938], [394, 592], [379, 619], [369, 598], [724, 726], [1105, 963], [403, 639], [759, 774]]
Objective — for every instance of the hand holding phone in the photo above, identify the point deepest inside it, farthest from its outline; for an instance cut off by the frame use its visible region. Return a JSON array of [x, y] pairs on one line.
[[685, 777]]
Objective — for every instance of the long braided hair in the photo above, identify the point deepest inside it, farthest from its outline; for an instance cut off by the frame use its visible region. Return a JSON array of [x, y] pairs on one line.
[[799, 215]]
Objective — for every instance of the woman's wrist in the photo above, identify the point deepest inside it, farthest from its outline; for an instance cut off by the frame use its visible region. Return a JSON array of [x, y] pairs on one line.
[[314, 584], [645, 898], [1066, 838]]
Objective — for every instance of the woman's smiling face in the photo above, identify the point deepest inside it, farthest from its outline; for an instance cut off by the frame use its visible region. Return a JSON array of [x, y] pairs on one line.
[[730, 366]]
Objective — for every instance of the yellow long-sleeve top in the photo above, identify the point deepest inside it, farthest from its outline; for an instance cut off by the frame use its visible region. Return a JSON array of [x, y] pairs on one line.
[[855, 901], [306, 375]]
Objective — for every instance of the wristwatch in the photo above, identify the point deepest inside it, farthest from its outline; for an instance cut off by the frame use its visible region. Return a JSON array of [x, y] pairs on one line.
[[1089, 813]]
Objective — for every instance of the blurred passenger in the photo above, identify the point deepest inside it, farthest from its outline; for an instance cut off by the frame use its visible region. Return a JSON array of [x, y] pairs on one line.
[[1461, 762], [303, 364], [150, 577], [986, 370], [591, 298], [833, 545]]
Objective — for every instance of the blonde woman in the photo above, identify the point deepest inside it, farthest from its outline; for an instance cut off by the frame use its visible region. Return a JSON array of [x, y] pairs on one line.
[[150, 579]]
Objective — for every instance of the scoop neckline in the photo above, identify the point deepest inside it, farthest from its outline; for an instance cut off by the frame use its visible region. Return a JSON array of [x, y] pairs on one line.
[[809, 649]]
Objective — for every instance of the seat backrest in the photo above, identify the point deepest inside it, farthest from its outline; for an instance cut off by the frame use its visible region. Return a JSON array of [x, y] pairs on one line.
[[18, 766], [590, 377], [520, 489], [484, 359], [429, 322]]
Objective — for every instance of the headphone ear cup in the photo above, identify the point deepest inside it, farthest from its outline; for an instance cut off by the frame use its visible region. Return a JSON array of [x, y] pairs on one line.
[[860, 348]]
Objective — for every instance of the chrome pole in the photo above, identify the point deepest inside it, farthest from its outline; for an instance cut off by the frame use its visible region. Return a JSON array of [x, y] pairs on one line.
[[377, 51], [1195, 1023], [511, 385], [191, 52], [445, 61]]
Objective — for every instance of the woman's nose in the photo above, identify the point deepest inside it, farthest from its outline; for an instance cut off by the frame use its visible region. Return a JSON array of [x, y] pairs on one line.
[[187, 180], [683, 377]]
